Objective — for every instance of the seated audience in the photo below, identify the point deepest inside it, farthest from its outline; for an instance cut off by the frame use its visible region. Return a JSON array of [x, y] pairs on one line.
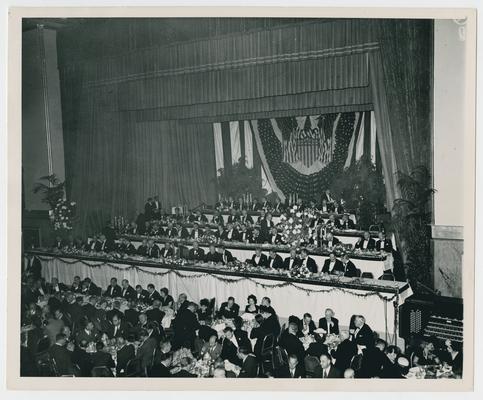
[[365, 242]]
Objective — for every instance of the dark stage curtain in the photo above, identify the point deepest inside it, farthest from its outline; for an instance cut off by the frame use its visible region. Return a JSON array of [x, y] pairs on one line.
[[120, 161], [400, 74]]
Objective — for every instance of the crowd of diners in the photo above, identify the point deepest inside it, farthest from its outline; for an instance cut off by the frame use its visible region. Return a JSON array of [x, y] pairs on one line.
[[70, 329]]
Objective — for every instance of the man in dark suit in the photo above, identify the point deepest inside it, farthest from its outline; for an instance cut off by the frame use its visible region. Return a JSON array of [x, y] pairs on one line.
[[366, 242], [245, 218], [330, 241], [171, 232], [89, 287], [225, 255], [326, 370], [274, 260], [332, 265], [346, 222], [294, 369], [293, 261], [274, 237], [118, 328], [155, 314], [196, 232], [82, 359], [308, 262], [259, 259], [243, 234], [101, 358], [105, 245], [329, 323], [196, 253], [363, 334], [142, 250], [229, 233], [146, 349], [141, 295], [240, 334], [166, 251], [289, 340], [233, 217], [349, 268], [344, 352], [116, 310], [153, 294], [230, 346], [255, 236], [185, 326], [149, 209], [249, 367], [131, 315], [182, 232], [55, 287], [266, 225], [125, 353], [213, 256], [229, 309], [162, 370], [33, 267], [278, 207], [127, 291], [113, 290], [62, 357], [384, 244], [153, 249]]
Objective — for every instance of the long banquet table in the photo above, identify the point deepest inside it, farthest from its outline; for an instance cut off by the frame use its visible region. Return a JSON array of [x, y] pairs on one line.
[[374, 263], [378, 301]]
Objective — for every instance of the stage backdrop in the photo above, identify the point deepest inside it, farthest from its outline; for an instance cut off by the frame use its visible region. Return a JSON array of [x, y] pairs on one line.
[[299, 154]]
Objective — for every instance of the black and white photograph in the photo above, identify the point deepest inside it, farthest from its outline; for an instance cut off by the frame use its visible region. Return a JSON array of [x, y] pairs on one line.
[[246, 197]]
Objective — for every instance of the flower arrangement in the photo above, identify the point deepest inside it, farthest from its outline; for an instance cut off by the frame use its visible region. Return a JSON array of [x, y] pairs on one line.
[[332, 341], [299, 272], [62, 212], [294, 227]]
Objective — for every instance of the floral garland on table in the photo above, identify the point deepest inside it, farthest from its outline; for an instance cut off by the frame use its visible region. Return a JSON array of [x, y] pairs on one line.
[[228, 280]]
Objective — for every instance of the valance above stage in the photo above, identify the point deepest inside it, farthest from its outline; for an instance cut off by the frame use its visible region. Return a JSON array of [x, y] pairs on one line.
[[378, 301]]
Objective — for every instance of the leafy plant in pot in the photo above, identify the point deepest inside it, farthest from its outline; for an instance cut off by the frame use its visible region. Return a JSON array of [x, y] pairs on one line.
[[411, 217]]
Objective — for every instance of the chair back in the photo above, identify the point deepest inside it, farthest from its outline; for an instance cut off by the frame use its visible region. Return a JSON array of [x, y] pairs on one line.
[[367, 275], [387, 276], [101, 372], [267, 346]]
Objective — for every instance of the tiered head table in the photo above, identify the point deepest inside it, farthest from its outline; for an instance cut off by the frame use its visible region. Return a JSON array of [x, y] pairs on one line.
[[371, 262], [378, 301]]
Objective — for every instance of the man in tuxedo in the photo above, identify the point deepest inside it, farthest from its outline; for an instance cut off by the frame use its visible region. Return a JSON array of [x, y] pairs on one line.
[[141, 294], [326, 370], [127, 291], [125, 353], [166, 251], [89, 287], [155, 314], [116, 310], [131, 315], [346, 222], [293, 369], [229, 346], [255, 206], [153, 249], [146, 349], [349, 268], [363, 334], [255, 237], [328, 197], [229, 233], [266, 225], [62, 357], [182, 232], [330, 241], [196, 232], [249, 367], [233, 217], [126, 247], [88, 334], [148, 209], [243, 234], [366, 242], [162, 370], [265, 204], [33, 267], [229, 309], [218, 219], [143, 248], [56, 287], [345, 351], [245, 218], [329, 323], [289, 340], [185, 326], [308, 262], [171, 231], [153, 294], [332, 265], [240, 334], [156, 207], [293, 261], [333, 222], [113, 290], [118, 328], [259, 259], [274, 260], [225, 255], [274, 237], [213, 256], [196, 253], [105, 245], [384, 244]]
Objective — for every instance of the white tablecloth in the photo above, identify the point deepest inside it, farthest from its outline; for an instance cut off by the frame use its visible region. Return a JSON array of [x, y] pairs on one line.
[[287, 298]]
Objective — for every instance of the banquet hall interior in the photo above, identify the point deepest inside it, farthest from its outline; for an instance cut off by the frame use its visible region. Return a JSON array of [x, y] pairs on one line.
[[242, 198]]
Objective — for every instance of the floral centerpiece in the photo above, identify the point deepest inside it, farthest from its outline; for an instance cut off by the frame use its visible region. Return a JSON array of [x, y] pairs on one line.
[[62, 211], [332, 341], [295, 227]]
